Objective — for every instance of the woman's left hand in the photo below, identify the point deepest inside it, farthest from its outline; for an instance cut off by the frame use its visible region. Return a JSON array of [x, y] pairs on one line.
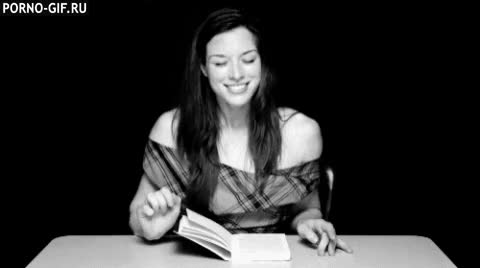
[[322, 234]]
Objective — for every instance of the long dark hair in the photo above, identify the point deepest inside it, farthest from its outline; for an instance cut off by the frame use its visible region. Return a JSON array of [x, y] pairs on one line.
[[198, 124]]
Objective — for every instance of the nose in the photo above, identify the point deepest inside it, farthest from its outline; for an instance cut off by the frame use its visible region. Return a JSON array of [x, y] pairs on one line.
[[236, 72]]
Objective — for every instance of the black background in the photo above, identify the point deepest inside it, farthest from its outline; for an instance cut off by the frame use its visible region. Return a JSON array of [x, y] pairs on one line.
[[387, 85]]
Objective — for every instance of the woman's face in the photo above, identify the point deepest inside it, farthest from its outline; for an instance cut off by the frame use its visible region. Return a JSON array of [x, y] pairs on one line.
[[233, 66]]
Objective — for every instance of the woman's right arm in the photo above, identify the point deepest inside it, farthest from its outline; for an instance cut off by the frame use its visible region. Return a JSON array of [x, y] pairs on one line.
[[153, 212]]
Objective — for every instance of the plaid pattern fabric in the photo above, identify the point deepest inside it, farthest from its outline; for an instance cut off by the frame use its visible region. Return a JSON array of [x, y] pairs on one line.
[[238, 205]]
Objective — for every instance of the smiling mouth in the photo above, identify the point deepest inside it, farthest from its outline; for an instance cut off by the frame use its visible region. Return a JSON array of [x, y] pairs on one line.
[[238, 87]]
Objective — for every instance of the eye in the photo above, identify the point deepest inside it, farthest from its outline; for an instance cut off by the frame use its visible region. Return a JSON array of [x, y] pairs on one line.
[[249, 61], [219, 64]]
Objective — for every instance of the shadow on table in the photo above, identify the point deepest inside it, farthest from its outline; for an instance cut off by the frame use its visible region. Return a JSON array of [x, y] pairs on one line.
[[187, 247], [182, 246]]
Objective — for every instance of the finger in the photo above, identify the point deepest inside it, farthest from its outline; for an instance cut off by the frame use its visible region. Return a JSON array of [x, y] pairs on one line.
[[147, 211], [334, 245], [342, 245], [152, 201], [323, 244], [326, 229], [162, 203], [177, 200], [324, 226], [177, 206], [168, 196], [331, 248], [307, 233]]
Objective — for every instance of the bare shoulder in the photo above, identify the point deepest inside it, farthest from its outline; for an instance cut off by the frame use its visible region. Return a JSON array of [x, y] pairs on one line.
[[164, 130], [302, 138]]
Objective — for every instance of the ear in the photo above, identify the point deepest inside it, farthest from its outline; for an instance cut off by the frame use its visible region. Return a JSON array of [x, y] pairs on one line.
[[204, 70]]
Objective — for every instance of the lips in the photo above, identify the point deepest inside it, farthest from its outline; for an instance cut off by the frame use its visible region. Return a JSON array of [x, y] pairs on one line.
[[237, 88]]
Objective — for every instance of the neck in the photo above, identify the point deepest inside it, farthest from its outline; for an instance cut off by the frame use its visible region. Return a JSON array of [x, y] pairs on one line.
[[234, 118]]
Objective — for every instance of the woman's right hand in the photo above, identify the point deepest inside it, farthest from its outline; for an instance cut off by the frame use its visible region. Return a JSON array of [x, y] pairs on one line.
[[159, 213]]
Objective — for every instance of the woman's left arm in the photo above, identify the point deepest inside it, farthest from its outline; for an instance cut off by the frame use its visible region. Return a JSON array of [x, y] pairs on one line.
[[304, 142]]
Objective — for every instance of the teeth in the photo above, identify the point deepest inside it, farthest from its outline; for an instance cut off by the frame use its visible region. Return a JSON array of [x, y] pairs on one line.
[[237, 87]]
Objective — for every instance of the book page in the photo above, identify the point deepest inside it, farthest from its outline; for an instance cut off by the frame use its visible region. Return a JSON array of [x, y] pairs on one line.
[[190, 228], [260, 247], [211, 225]]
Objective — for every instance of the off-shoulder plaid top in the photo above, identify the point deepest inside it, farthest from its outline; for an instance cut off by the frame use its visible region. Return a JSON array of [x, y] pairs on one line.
[[236, 203]]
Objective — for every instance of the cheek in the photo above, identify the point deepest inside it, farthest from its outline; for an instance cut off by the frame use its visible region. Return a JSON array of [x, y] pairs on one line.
[[254, 71], [215, 74]]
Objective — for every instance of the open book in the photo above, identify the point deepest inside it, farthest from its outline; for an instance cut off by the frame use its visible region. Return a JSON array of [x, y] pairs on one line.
[[234, 247]]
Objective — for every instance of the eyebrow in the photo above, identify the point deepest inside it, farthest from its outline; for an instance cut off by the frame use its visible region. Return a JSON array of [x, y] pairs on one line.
[[223, 56]]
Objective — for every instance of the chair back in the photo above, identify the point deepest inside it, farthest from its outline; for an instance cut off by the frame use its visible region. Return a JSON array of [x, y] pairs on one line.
[[325, 190], [330, 178]]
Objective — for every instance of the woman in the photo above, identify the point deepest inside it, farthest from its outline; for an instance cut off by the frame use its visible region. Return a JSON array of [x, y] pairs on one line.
[[227, 151]]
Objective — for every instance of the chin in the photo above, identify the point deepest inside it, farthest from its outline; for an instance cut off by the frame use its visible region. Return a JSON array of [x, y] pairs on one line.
[[238, 103], [240, 100]]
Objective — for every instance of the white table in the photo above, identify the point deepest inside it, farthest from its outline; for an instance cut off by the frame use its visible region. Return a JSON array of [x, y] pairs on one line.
[[130, 251]]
